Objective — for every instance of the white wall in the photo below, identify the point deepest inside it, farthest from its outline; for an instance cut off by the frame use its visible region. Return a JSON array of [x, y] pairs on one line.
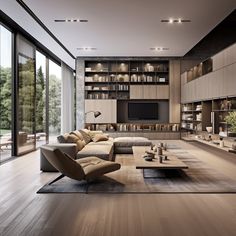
[[22, 18]]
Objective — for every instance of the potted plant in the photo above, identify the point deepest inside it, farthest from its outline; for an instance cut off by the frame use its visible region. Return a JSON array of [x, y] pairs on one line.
[[231, 120]]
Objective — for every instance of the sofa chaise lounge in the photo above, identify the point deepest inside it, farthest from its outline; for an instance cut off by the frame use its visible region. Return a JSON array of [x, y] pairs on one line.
[[86, 143]]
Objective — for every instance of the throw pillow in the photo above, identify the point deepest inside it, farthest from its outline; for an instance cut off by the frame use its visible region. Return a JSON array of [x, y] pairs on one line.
[[100, 137], [77, 133], [86, 136], [62, 138], [92, 133], [72, 138]]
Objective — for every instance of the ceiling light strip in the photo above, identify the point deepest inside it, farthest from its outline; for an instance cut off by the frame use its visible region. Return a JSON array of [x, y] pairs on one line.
[[179, 20], [86, 49], [159, 49], [70, 20]]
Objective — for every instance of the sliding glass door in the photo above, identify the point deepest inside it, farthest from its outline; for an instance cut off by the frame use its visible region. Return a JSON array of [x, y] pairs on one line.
[[40, 100], [54, 94], [5, 94], [26, 137], [37, 97]]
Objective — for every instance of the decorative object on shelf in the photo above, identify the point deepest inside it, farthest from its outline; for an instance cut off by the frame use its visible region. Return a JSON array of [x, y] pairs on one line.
[[224, 105], [221, 142], [95, 113], [154, 148], [234, 145], [198, 107], [165, 146], [229, 104], [209, 129], [160, 151]]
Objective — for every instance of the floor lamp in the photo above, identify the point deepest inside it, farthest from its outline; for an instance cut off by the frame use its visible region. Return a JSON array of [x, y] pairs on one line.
[[95, 113]]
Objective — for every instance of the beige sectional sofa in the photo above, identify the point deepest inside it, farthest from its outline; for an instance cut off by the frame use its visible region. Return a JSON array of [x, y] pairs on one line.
[[85, 143]]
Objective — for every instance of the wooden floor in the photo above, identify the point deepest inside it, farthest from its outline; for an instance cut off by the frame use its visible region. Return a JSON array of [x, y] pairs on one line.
[[23, 212]]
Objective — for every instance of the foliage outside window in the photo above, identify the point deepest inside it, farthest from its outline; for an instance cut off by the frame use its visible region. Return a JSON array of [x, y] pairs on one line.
[[231, 120]]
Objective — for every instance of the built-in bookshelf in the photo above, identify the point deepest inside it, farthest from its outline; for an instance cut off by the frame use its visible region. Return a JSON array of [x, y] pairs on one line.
[[151, 131], [112, 79], [112, 84], [199, 70], [196, 116], [135, 127]]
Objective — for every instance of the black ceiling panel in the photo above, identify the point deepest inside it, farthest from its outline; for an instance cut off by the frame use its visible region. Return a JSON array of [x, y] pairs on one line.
[[222, 36]]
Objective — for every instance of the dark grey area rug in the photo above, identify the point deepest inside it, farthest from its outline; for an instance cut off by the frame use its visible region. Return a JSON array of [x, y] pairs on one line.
[[198, 178]]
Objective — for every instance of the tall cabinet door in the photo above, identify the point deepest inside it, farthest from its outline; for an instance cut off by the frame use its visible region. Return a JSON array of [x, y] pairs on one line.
[[149, 91], [107, 107], [136, 92]]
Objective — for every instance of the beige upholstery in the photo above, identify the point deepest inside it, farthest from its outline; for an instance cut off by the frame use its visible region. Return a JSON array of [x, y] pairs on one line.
[[94, 166], [86, 168], [104, 152]]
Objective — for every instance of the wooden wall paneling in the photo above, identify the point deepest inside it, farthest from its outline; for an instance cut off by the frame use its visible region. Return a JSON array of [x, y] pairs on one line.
[[174, 91], [186, 92], [218, 61], [136, 92], [229, 79], [149, 91], [216, 84], [162, 92], [106, 106], [183, 78], [230, 55]]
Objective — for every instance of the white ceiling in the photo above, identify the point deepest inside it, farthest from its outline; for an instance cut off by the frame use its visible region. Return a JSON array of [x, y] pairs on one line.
[[129, 27]]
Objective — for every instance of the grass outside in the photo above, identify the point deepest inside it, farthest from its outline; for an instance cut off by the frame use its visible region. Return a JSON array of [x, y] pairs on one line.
[[4, 131]]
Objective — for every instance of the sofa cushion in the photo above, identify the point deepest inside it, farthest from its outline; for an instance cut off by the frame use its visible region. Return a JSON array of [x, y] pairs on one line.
[[108, 142], [86, 136], [72, 138], [92, 133], [131, 141], [77, 133], [93, 166], [100, 137], [102, 151]]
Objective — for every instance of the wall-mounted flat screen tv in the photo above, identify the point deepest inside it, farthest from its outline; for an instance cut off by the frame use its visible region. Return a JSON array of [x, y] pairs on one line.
[[142, 111]]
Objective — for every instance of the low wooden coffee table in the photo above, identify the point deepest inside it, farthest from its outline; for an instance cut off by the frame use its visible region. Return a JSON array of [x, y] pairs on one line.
[[173, 162]]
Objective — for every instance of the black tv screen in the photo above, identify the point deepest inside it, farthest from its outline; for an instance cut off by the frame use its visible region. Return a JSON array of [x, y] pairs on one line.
[[142, 111]]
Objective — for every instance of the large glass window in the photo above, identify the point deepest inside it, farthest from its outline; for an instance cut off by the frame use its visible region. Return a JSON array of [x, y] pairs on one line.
[[5, 93], [26, 138], [40, 103], [54, 100], [37, 97]]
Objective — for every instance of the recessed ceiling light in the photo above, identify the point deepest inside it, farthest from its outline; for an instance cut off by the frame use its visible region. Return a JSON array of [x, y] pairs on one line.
[[176, 20], [71, 20], [159, 49], [86, 49]]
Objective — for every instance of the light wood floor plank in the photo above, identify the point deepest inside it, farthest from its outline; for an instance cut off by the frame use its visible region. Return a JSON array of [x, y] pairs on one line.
[[23, 212]]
